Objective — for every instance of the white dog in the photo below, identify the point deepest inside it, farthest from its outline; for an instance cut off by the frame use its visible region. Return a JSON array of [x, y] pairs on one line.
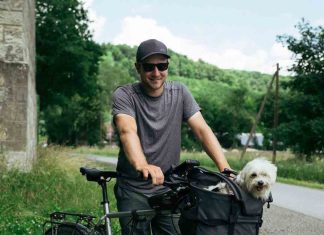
[[257, 177]]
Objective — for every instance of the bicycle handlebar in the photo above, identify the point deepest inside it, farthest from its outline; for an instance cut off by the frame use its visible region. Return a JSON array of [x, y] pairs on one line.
[[173, 176]]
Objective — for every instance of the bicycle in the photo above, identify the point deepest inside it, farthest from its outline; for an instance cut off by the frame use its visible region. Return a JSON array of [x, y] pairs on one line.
[[175, 179]]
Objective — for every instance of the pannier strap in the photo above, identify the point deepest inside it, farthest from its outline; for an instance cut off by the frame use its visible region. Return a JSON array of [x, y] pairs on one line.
[[215, 222]]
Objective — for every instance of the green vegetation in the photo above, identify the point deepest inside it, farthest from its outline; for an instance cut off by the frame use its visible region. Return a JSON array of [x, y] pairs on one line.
[[302, 125], [104, 151], [303, 183], [71, 108], [54, 184]]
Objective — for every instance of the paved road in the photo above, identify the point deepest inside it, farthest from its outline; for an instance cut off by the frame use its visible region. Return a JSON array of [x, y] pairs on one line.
[[300, 199], [295, 210]]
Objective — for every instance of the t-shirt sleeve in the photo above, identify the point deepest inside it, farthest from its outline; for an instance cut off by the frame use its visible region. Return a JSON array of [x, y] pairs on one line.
[[190, 106], [122, 103]]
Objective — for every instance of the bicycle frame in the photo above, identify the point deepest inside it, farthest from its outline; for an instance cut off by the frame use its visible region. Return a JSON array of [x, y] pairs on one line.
[[105, 203]]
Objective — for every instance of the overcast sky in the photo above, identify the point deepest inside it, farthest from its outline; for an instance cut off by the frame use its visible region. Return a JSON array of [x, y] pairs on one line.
[[228, 33]]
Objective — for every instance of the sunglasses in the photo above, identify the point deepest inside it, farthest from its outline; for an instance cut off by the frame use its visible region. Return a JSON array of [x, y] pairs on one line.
[[148, 67]]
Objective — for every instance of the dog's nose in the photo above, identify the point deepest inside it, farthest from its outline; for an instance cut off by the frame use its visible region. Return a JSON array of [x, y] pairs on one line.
[[260, 183]]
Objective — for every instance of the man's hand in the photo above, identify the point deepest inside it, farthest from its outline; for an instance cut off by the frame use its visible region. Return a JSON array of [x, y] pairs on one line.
[[230, 173], [154, 171]]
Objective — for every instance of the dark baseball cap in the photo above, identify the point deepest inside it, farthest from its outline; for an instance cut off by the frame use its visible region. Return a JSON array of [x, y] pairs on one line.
[[151, 47]]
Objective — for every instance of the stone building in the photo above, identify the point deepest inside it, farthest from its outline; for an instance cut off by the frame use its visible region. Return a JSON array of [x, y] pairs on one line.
[[18, 109]]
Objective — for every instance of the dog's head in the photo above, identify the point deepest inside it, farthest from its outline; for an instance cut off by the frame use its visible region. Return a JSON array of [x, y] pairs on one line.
[[257, 177]]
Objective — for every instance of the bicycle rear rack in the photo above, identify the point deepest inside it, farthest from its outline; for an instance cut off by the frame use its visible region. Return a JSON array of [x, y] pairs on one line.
[[58, 218]]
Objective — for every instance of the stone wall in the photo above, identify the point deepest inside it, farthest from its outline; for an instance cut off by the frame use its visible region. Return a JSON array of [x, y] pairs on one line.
[[18, 109]]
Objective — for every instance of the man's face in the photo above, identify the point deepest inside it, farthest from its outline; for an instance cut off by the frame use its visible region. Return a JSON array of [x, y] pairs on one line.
[[154, 79]]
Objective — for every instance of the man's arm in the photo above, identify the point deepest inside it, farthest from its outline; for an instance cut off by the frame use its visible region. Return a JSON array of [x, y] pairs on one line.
[[209, 141], [127, 128]]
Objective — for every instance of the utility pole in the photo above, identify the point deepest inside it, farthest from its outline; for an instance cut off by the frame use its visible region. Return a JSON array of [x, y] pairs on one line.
[[276, 117], [259, 112]]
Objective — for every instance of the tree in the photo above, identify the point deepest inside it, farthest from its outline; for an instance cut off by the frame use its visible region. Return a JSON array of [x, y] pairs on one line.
[[232, 117], [303, 130], [67, 65], [111, 75]]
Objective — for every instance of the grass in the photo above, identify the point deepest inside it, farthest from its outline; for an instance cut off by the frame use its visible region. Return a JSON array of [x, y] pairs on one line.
[[111, 151], [303, 183], [54, 184]]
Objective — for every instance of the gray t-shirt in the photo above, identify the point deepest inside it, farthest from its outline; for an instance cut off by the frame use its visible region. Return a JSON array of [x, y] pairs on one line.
[[159, 121]]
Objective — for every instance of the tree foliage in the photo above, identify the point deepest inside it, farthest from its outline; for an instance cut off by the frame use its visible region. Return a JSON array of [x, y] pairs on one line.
[[303, 126], [111, 75], [67, 65]]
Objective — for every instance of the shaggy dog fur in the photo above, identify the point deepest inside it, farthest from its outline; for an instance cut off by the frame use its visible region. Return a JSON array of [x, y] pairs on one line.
[[256, 178]]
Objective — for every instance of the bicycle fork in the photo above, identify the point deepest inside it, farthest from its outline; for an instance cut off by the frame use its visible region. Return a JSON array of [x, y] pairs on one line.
[[105, 204]]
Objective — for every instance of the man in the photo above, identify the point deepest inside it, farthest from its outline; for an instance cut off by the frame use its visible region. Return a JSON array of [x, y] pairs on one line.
[[148, 116]]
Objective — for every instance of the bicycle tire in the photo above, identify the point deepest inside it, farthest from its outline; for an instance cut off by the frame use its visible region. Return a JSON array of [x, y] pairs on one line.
[[68, 228]]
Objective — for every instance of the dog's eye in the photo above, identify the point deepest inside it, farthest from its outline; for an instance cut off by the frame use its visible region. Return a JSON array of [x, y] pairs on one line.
[[253, 175]]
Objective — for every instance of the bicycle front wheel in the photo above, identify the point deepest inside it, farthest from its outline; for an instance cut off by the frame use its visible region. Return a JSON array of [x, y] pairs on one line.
[[68, 228]]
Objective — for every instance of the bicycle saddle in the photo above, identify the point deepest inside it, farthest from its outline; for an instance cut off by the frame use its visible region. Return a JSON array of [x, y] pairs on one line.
[[96, 175]]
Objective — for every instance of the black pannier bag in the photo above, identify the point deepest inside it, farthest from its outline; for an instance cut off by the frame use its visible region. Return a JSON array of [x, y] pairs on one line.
[[206, 212]]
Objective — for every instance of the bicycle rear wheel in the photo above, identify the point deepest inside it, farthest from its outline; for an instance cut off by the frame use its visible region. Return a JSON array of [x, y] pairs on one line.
[[68, 228]]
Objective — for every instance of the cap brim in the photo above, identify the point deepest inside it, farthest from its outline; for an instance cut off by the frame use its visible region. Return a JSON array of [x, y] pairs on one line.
[[154, 53]]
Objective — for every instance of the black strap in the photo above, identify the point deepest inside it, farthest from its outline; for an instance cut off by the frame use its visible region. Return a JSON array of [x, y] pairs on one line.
[[212, 222]]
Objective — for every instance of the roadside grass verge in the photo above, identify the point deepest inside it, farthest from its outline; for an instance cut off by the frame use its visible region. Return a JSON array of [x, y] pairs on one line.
[[54, 184], [111, 151], [303, 183]]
